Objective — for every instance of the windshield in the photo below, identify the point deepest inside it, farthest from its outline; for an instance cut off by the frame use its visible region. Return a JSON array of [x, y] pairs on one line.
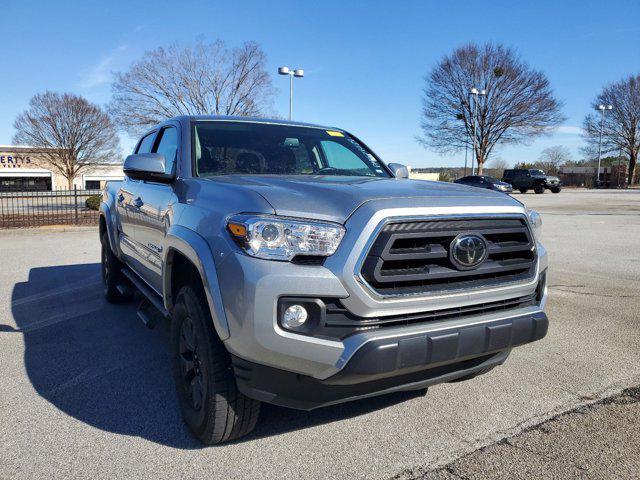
[[491, 179], [537, 173], [243, 148]]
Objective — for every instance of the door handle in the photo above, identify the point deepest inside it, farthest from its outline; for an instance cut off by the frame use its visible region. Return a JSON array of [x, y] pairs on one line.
[[120, 198], [138, 202]]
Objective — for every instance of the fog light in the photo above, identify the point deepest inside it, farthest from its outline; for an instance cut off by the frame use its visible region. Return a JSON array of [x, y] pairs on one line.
[[294, 316]]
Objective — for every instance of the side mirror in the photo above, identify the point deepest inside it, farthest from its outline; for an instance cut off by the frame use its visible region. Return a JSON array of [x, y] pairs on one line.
[[398, 170], [149, 166]]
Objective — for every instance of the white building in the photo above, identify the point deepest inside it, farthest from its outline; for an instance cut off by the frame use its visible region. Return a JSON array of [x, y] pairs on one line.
[[25, 169]]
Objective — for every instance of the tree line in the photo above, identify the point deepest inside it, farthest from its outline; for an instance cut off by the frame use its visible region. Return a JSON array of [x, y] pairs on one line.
[[512, 103]]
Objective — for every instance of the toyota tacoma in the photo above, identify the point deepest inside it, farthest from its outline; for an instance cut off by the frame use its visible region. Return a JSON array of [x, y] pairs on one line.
[[298, 269]]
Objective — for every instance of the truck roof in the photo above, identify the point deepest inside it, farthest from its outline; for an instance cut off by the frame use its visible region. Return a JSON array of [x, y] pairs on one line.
[[230, 118]]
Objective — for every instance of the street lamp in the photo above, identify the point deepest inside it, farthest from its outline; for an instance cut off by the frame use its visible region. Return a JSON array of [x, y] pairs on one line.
[[292, 73], [475, 92], [602, 109]]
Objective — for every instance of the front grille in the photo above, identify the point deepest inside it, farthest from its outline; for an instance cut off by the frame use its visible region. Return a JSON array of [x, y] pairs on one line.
[[412, 257], [339, 322]]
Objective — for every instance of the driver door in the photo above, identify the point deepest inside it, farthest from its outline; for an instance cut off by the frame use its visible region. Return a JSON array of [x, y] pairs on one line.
[[127, 202], [154, 205]]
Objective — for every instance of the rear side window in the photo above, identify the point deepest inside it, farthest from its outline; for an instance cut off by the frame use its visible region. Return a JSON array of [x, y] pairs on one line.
[[146, 143], [168, 144]]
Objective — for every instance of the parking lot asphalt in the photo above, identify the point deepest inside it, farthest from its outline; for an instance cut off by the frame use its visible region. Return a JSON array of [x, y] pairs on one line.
[[85, 389], [596, 441]]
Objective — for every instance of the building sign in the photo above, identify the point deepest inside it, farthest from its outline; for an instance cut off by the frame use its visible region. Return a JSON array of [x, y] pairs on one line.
[[14, 161]]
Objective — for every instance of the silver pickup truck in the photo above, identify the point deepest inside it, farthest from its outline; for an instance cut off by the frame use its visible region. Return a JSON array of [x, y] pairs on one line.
[[296, 268]]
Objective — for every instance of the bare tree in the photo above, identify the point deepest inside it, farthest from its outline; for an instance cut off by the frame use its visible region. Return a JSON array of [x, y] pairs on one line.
[[552, 158], [207, 78], [73, 133], [498, 165], [518, 106], [621, 127]]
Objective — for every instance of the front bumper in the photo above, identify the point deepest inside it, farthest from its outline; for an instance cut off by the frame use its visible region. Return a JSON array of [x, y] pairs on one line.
[[390, 364], [250, 289]]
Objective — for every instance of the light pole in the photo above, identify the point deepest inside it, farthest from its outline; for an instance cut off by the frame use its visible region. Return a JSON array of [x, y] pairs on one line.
[[461, 117], [292, 73], [602, 109], [466, 148], [475, 92], [619, 166]]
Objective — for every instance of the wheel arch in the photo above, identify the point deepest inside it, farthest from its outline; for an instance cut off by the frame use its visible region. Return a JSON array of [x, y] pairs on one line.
[[184, 245], [105, 224]]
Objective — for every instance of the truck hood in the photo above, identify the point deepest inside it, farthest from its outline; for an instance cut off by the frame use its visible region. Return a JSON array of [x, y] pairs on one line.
[[335, 198]]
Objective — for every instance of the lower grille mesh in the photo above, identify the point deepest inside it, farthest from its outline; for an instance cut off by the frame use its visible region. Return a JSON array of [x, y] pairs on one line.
[[340, 320]]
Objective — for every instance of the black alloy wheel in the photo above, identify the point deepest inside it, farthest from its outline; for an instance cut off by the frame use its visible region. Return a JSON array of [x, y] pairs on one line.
[[194, 380]]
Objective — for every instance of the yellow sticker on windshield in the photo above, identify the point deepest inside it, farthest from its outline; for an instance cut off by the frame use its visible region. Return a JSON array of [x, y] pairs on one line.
[[333, 133]]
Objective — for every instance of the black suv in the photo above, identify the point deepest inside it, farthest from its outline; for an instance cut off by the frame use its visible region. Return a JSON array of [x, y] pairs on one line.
[[524, 179]]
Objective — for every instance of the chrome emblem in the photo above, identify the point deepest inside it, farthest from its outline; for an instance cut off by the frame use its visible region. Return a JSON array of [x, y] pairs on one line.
[[468, 251]]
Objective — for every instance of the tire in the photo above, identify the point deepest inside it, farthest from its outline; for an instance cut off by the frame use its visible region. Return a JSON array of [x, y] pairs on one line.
[[523, 190], [473, 375], [539, 189], [555, 190], [212, 406], [111, 273]]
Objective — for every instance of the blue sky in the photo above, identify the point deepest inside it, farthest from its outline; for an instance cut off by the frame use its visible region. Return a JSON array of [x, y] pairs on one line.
[[364, 61]]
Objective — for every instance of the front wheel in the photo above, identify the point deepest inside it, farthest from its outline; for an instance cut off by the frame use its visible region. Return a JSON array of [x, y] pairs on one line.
[[555, 190], [212, 406], [539, 189]]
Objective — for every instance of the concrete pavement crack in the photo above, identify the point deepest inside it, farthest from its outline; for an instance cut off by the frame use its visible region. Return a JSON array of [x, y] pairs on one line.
[[508, 442], [568, 289]]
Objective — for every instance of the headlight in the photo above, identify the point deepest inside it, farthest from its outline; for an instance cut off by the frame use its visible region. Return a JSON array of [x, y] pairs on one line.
[[278, 238], [536, 223], [502, 187]]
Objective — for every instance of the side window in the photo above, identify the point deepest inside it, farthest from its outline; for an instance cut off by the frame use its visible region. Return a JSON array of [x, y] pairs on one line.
[[146, 143], [168, 144], [340, 157]]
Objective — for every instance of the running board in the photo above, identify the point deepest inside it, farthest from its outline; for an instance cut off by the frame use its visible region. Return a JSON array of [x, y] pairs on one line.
[[148, 314], [124, 290], [151, 299]]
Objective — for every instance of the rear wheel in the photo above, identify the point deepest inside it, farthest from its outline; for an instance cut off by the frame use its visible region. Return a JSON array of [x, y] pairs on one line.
[[212, 407], [111, 273], [539, 189], [523, 190]]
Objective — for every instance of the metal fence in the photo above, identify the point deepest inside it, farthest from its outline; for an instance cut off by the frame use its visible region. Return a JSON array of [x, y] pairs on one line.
[[59, 207]]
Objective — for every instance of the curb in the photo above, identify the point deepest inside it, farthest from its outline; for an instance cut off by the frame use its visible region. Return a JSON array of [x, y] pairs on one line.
[[52, 228]]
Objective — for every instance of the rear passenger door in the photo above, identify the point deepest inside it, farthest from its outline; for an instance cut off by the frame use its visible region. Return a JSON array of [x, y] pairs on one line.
[[154, 203]]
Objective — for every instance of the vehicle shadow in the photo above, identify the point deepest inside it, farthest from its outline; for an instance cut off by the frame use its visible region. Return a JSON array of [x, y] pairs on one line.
[[99, 364]]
